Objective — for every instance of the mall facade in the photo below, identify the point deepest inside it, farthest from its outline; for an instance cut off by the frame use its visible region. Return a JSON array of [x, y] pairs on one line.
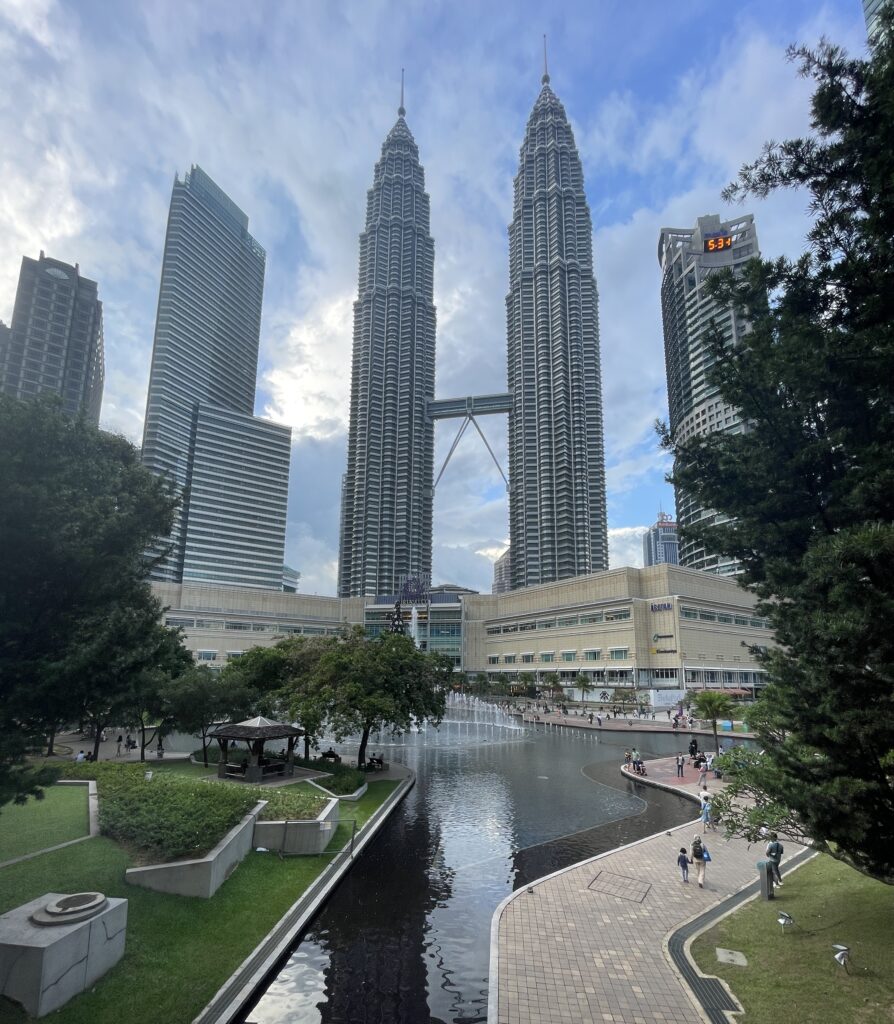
[[659, 628]]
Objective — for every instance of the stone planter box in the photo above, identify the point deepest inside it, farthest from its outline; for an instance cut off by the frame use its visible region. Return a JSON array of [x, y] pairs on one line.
[[299, 837], [204, 875]]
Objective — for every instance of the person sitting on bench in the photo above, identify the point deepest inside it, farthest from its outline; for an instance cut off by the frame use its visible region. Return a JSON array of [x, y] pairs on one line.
[[330, 755], [375, 761]]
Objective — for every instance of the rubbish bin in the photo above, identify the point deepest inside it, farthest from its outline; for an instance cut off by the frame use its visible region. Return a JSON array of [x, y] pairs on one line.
[[765, 874]]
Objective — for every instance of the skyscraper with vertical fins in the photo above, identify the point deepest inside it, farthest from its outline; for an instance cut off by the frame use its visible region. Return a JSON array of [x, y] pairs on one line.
[[386, 517], [557, 513]]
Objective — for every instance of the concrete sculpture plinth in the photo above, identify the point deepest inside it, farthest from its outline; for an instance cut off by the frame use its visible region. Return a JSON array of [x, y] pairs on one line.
[[57, 946]]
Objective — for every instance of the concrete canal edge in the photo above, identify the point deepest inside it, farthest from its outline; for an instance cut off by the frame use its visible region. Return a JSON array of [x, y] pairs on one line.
[[231, 1000]]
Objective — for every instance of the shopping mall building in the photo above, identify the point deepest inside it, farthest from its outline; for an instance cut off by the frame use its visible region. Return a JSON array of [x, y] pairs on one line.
[[663, 628]]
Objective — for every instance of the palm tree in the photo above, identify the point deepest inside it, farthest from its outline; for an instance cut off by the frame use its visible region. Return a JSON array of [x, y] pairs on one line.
[[713, 704]]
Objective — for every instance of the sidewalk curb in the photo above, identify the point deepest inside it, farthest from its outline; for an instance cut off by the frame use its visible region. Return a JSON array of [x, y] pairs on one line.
[[231, 1000]]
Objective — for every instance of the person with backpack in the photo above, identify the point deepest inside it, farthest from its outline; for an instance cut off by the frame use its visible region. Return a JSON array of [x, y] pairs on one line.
[[774, 853], [699, 857]]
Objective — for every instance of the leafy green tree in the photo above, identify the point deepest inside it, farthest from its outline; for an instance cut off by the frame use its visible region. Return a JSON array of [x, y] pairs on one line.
[[367, 684], [712, 705], [77, 511], [200, 698], [809, 486]]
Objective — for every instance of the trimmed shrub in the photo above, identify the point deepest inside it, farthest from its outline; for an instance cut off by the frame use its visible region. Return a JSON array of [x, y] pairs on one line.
[[169, 817], [292, 803], [344, 782]]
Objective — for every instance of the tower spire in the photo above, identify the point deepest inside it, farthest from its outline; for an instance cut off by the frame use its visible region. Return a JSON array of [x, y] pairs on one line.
[[400, 109], [545, 79]]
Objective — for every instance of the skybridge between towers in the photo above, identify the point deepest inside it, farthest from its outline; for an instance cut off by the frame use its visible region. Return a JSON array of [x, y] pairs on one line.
[[468, 409]]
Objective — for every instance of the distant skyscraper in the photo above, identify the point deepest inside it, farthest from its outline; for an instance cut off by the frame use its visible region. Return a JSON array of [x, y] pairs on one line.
[[386, 517], [232, 469], [557, 513], [660, 542], [54, 344], [503, 573], [871, 11], [687, 258]]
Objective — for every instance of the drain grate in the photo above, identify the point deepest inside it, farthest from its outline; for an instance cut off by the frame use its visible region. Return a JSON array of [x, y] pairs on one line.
[[622, 886]]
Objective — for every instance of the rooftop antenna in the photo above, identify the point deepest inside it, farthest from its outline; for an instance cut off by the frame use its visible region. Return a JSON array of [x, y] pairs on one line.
[[400, 109], [545, 79]]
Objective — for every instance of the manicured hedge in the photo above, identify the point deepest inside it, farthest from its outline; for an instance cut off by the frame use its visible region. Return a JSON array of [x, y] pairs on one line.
[[293, 803], [167, 818]]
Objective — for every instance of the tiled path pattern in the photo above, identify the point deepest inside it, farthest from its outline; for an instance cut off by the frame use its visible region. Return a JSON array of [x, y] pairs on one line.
[[587, 945]]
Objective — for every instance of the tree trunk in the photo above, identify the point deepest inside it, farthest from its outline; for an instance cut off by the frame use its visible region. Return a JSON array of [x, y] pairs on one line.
[[142, 740], [96, 741], [51, 739], [204, 746], [361, 752], [716, 742], [306, 747]]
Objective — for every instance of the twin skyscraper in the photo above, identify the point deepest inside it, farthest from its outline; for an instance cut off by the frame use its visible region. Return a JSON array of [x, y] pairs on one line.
[[557, 507]]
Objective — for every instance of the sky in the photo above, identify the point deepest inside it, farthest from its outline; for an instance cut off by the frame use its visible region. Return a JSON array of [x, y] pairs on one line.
[[286, 103]]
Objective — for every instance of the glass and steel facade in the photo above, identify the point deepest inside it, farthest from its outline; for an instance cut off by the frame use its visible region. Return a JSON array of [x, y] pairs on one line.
[[231, 469], [386, 515], [660, 544], [54, 344], [689, 314], [557, 509]]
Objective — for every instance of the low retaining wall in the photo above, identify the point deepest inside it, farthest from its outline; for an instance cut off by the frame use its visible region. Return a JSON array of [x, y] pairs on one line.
[[204, 875], [297, 837], [350, 796]]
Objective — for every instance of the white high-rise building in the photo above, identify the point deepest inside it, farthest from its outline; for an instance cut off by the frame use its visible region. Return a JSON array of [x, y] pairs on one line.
[[231, 468], [688, 257], [557, 511]]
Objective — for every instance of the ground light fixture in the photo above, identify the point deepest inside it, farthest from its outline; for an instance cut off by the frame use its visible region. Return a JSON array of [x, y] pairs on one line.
[[841, 956], [786, 920]]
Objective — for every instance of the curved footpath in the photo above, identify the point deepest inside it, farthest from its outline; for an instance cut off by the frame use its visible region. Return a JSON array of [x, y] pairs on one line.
[[599, 941]]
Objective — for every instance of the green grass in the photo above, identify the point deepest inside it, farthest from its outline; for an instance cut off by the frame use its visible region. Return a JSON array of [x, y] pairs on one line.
[[59, 817], [179, 950], [792, 977]]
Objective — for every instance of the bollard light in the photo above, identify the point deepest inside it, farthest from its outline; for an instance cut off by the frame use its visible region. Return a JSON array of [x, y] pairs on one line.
[[841, 956], [786, 920]]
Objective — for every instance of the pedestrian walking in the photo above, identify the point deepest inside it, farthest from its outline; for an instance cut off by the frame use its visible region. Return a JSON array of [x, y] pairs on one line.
[[627, 758], [634, 756], [683, 863], [599, 721], [668, 714], [693, 745], [703, 774], [706, 812], [774, 852], [591, 717], [680, 762], [119, 741], [699, 855]]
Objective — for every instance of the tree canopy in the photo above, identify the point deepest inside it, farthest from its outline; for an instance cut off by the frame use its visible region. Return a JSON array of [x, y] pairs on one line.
[[809, 484], [77, 511]]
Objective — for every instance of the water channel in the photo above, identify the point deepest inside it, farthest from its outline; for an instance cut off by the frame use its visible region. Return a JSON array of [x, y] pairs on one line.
[[405, 938]]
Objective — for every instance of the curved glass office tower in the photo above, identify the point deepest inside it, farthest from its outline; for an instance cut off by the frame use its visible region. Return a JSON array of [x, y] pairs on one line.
[[557, 514], [386, 516]]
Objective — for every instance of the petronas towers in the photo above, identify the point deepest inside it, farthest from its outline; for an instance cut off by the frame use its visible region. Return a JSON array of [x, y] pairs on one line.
[[557, 512]]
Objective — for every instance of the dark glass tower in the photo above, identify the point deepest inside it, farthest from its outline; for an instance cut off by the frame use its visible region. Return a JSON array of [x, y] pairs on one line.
[[557, 514], [386, 512], [231, 468], [54, 344]]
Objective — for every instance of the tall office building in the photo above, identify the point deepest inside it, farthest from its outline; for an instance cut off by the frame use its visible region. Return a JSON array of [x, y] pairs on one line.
[[557, 513], [386, 516], [54, 344], [231, 468], [660, 542], [687, 258], [871, 12], [503, 573]]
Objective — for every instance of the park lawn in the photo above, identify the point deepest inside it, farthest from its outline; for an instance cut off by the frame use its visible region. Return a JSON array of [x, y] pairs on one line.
[[60, 816], [793, 976], [179, 950], [194, 771]]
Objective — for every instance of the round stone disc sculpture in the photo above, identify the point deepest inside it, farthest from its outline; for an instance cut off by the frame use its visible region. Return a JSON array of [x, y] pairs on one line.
[[69, 909]]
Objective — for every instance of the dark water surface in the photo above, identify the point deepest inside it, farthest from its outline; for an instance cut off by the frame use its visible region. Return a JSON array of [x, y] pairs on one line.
[[405, 938]]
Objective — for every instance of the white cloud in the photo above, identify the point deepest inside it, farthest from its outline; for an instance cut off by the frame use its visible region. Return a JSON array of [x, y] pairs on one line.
[[625, 546]]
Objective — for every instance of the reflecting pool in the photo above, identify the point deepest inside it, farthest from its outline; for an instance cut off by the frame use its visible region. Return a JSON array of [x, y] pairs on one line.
[[405, 938]]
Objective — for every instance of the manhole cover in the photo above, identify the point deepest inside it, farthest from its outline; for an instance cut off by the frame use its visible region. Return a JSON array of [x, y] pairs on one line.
[[622, 886]]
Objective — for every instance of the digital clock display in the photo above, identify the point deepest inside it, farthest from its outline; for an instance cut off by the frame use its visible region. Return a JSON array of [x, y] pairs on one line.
[[718, 242]]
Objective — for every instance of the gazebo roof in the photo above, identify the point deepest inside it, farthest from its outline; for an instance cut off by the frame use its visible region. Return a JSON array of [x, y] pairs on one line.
[[259, 728]]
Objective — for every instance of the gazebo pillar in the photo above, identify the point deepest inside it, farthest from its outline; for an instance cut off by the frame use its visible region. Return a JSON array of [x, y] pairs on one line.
[[222, 760], [290, 756]]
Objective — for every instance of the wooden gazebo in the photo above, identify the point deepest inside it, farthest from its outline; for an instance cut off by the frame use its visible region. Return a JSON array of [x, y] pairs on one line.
[[256, 732]]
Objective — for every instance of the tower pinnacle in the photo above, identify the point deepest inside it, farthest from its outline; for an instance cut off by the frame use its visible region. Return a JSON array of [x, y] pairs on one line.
[[400, 110], [545, 79]]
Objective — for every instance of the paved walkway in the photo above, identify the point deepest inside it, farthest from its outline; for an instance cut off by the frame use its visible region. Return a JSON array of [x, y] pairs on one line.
[[632, 724], [588, 944]]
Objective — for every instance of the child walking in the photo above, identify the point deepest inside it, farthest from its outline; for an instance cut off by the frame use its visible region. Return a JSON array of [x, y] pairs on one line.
[[683, 861]]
